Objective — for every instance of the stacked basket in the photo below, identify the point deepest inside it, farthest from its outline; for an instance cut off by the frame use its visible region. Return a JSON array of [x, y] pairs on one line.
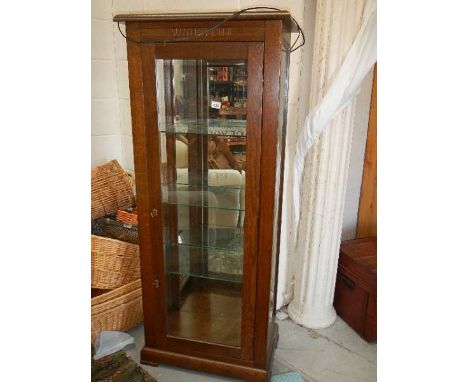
[[115, 264]]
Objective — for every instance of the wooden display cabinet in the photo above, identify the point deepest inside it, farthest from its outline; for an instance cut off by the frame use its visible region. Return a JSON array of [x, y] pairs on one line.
[[208, 116]]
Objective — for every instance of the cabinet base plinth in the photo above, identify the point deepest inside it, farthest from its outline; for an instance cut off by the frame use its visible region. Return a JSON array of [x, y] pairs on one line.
[[154, 357]]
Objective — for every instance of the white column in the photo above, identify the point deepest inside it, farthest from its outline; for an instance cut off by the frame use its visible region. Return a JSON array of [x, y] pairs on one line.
[[325, 175]]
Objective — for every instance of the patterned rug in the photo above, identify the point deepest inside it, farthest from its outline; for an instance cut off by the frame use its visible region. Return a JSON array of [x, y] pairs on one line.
[[118, 368]]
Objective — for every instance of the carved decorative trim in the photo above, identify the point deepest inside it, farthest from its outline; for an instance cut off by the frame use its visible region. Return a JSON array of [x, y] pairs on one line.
[[190, 32]]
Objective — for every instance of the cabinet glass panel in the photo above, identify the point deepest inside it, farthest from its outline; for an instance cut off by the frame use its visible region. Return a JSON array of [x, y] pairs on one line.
[[202, 113]]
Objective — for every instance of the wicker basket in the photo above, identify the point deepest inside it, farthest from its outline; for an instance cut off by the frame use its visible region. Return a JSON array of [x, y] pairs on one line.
[[113, 263], [129, 217], [120, 231], [111, 189], [119, 309]]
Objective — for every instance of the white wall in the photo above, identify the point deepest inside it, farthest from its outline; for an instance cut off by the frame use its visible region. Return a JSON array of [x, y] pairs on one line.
[[358, 149], [105, 120]]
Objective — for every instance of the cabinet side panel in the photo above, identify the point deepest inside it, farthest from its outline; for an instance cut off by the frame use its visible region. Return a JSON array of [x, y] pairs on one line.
[[254, 121], [143, 159], [282, 121], [271, 104]]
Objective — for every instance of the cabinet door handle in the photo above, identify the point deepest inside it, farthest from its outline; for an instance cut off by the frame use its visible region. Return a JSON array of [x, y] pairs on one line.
[[347, 282]]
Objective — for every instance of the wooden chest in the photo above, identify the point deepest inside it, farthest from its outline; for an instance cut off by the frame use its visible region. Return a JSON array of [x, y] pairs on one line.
[[356, 286]]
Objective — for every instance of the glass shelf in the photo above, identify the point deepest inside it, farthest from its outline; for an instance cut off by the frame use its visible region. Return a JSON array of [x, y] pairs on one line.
[[211, 197], [203, 262], [211, 252], [181, 185], [217, 127], [229, 82], [211, 179], [216, 237]]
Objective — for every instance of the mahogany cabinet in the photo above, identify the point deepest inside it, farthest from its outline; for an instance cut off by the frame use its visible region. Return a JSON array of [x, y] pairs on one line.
[[208, 112]]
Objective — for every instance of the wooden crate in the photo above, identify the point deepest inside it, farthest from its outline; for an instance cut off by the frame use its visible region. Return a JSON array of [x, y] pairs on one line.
[[356, 286]]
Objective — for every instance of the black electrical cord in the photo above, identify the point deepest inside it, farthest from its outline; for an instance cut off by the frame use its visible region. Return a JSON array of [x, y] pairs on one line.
[[230, 17]]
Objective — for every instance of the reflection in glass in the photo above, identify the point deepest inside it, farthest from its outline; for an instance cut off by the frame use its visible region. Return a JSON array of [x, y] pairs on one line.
[[202, 110]]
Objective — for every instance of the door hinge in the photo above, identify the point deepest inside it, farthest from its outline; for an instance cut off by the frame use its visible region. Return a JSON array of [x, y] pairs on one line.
[[156, 283]]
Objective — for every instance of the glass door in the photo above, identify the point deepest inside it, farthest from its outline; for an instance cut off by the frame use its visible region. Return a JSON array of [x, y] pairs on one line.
[[204, 146]]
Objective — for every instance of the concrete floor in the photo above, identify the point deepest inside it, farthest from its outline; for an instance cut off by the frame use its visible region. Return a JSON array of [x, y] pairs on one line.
[[326, 355]]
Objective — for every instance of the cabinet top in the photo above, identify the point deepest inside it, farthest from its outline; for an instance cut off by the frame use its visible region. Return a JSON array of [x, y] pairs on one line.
[[208, 16]]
